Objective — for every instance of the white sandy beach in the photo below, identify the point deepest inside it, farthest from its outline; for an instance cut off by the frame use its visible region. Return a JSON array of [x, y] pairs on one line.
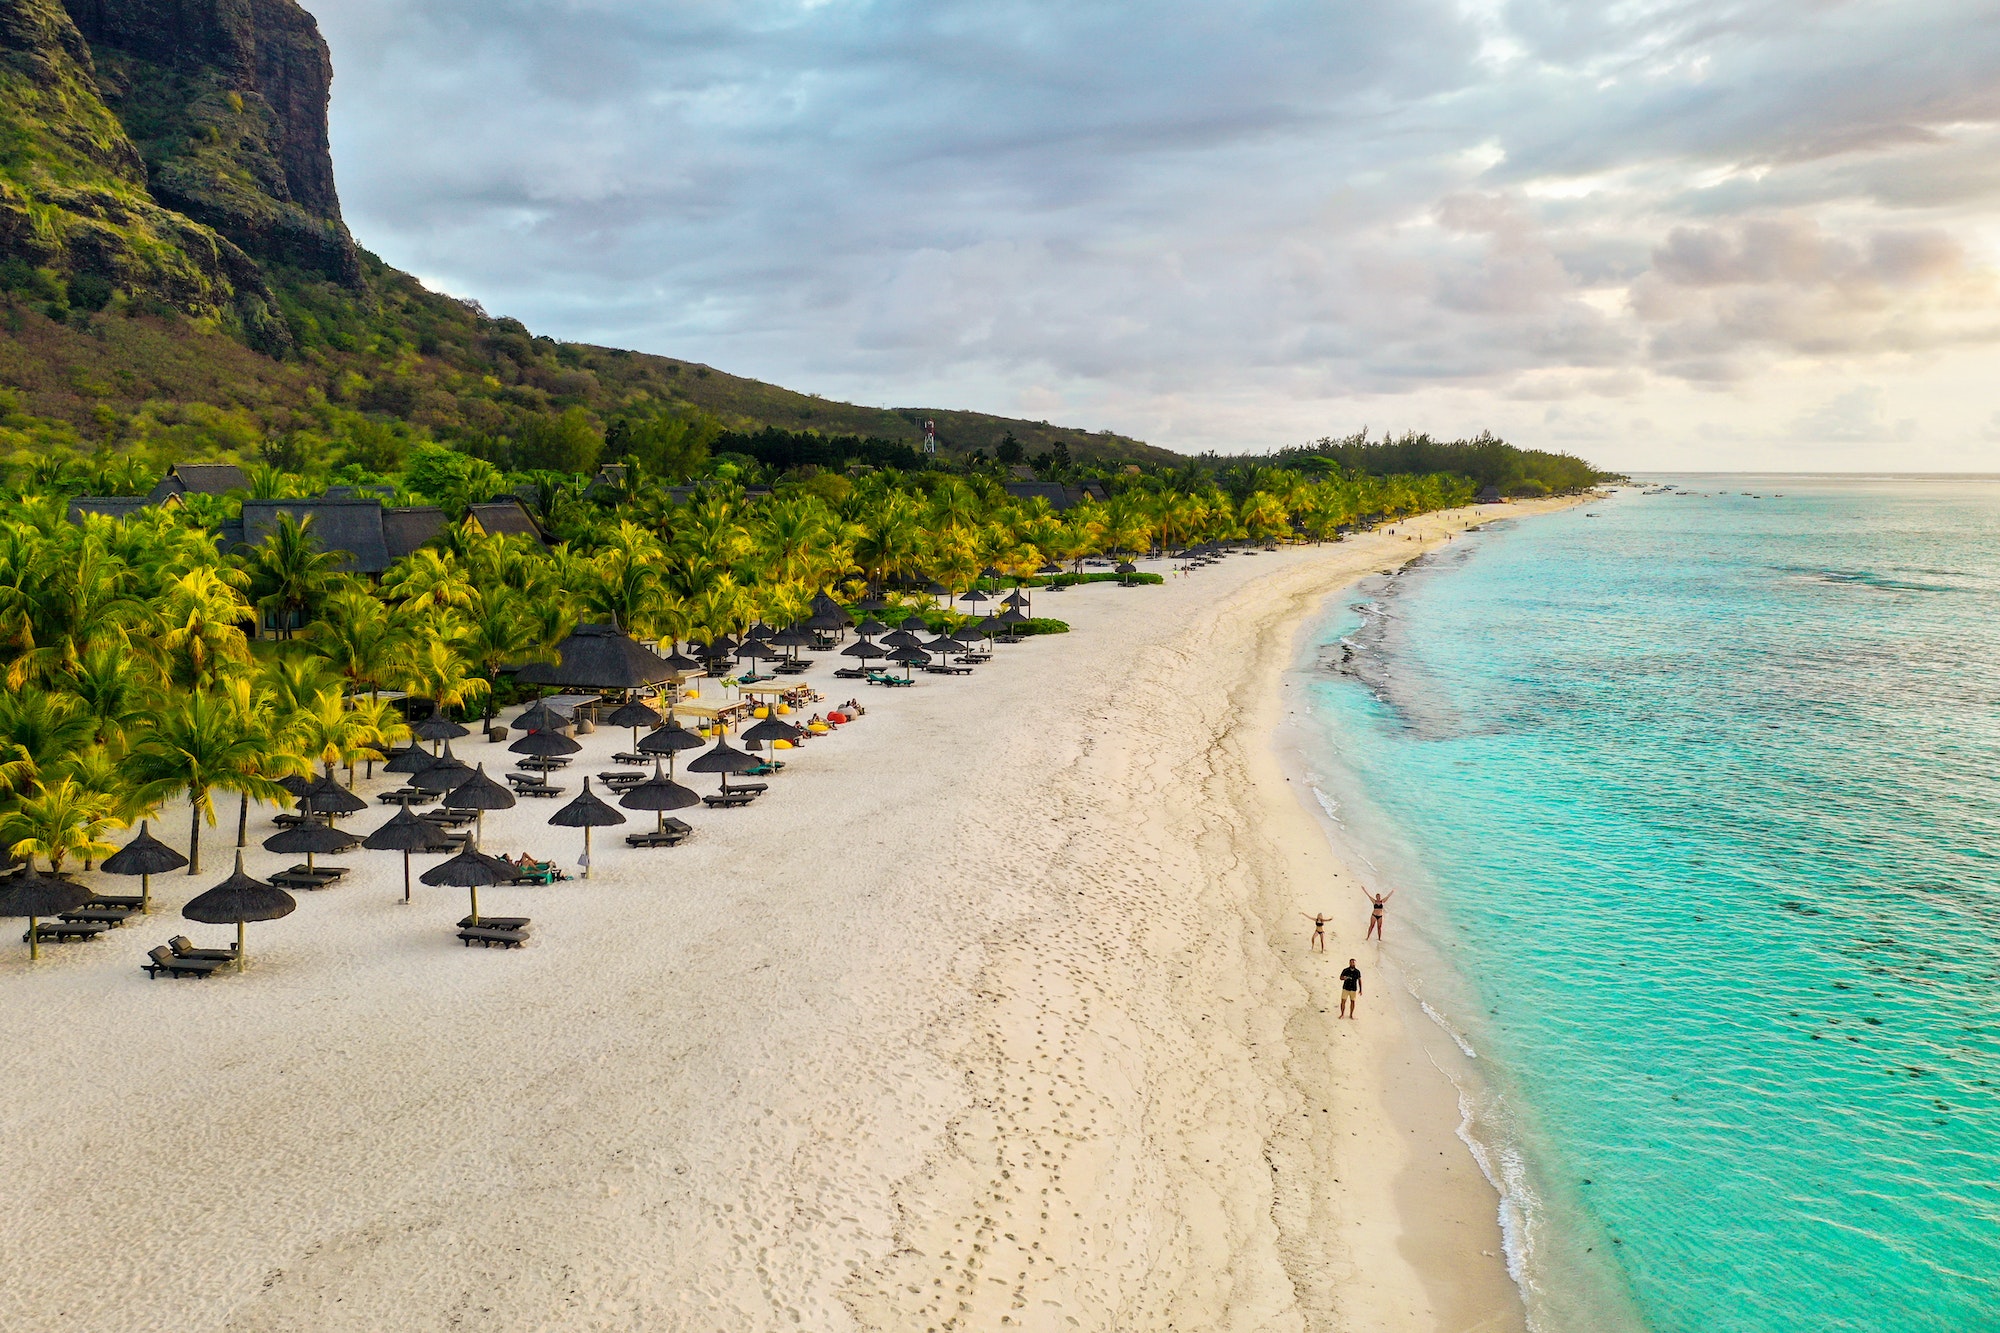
[[995, 1012]]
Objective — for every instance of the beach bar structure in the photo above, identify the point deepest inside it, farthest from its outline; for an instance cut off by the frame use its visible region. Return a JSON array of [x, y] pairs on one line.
[[599, 657]]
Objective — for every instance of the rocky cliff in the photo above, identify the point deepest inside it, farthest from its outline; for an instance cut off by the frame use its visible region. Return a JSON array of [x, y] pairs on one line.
[[167, 151], [226, 100]]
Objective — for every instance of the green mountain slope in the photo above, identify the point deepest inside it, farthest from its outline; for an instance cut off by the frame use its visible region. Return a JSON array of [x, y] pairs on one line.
[[175, 276]]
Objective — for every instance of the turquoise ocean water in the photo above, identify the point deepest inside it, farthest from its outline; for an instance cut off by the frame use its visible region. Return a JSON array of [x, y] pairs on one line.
[[1694, 808]]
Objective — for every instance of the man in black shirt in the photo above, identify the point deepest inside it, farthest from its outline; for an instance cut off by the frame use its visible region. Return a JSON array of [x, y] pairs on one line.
[[1350, 988]]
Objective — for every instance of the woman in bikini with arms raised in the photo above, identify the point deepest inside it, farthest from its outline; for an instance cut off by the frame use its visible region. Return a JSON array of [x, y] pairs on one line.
[[1377, 901]]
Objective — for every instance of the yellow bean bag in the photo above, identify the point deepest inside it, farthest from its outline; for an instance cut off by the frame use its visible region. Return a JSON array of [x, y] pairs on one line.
[[690, 694], [818, 728], [781, 745], [760, 711], [784, 709]]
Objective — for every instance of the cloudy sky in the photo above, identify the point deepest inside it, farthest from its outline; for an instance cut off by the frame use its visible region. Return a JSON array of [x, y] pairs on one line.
[[1760, 234]]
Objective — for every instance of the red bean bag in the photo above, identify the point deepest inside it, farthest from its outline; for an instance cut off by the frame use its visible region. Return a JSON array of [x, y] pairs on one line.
[[836, 718]]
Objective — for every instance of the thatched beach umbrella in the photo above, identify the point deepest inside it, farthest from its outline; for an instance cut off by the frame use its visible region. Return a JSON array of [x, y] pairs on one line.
[[864, 650], [327, 797], [542, 716], [635, 715], [599, 657], [680, 663], [311, 838], [239, 899], [1126, 569], [144, 856], [406, 833], [443, 775], [298, 784], [770, 729], [586, 812], [471, 869], [414, 759], [659, 794], [480, 793], [670, 739], [438, 727], [828, 619], [35, 895], [724, 759], [545, 744]]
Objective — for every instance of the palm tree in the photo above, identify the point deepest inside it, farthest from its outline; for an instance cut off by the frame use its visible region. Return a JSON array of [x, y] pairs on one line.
[[198, 744], [359, 638], [62, 819], [290, 571], [39, 731], [437, 670], [113, 686], [202, 614]]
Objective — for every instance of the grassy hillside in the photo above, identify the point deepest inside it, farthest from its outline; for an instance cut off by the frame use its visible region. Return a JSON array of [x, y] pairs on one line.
[[378, 369]]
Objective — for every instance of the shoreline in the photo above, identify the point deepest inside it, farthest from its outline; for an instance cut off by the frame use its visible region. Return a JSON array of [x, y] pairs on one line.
[[994, 1014]]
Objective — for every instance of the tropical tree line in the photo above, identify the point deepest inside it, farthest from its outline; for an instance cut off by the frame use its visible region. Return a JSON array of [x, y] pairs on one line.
[[145, 664]]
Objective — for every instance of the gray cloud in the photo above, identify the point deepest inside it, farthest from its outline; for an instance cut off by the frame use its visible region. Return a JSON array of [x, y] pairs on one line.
[[1163, 211]]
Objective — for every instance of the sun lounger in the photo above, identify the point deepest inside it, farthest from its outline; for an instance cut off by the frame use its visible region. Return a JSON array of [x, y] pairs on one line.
[[543, 763], [49, 932], [527, 786], [108, 916], [163, 963], [675, 833], [403, 796], [542, 872], [793, 668], [297, 878], [449, 818], [183, 948], [941, 669], [851, 673], [488, 936], [620, 781], [631, 759], [730, 799], [111, 901], [520, 923]]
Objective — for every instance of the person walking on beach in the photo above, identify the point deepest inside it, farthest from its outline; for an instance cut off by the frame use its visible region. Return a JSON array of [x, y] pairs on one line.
[[1319, 931], [1350, 989], [1377, 902]]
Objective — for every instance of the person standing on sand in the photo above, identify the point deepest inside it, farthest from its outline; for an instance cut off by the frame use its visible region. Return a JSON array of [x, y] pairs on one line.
[[1319, 931], [1350, 989], [1378, 902]]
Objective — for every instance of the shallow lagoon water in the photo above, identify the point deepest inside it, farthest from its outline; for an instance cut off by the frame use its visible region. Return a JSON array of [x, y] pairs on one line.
[[1691, 806]]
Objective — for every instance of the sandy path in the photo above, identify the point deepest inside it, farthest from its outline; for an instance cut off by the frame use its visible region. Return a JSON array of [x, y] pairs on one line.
[[991, 1014]]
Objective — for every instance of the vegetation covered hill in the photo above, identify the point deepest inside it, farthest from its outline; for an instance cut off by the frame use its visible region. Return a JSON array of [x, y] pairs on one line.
[[175, 280], [176, 284]]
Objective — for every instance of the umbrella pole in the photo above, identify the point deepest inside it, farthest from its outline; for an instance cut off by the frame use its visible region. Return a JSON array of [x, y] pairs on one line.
[[241, 959], [34, 941], [145, 893], [586, 851], [475, 904], [406, 874]]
